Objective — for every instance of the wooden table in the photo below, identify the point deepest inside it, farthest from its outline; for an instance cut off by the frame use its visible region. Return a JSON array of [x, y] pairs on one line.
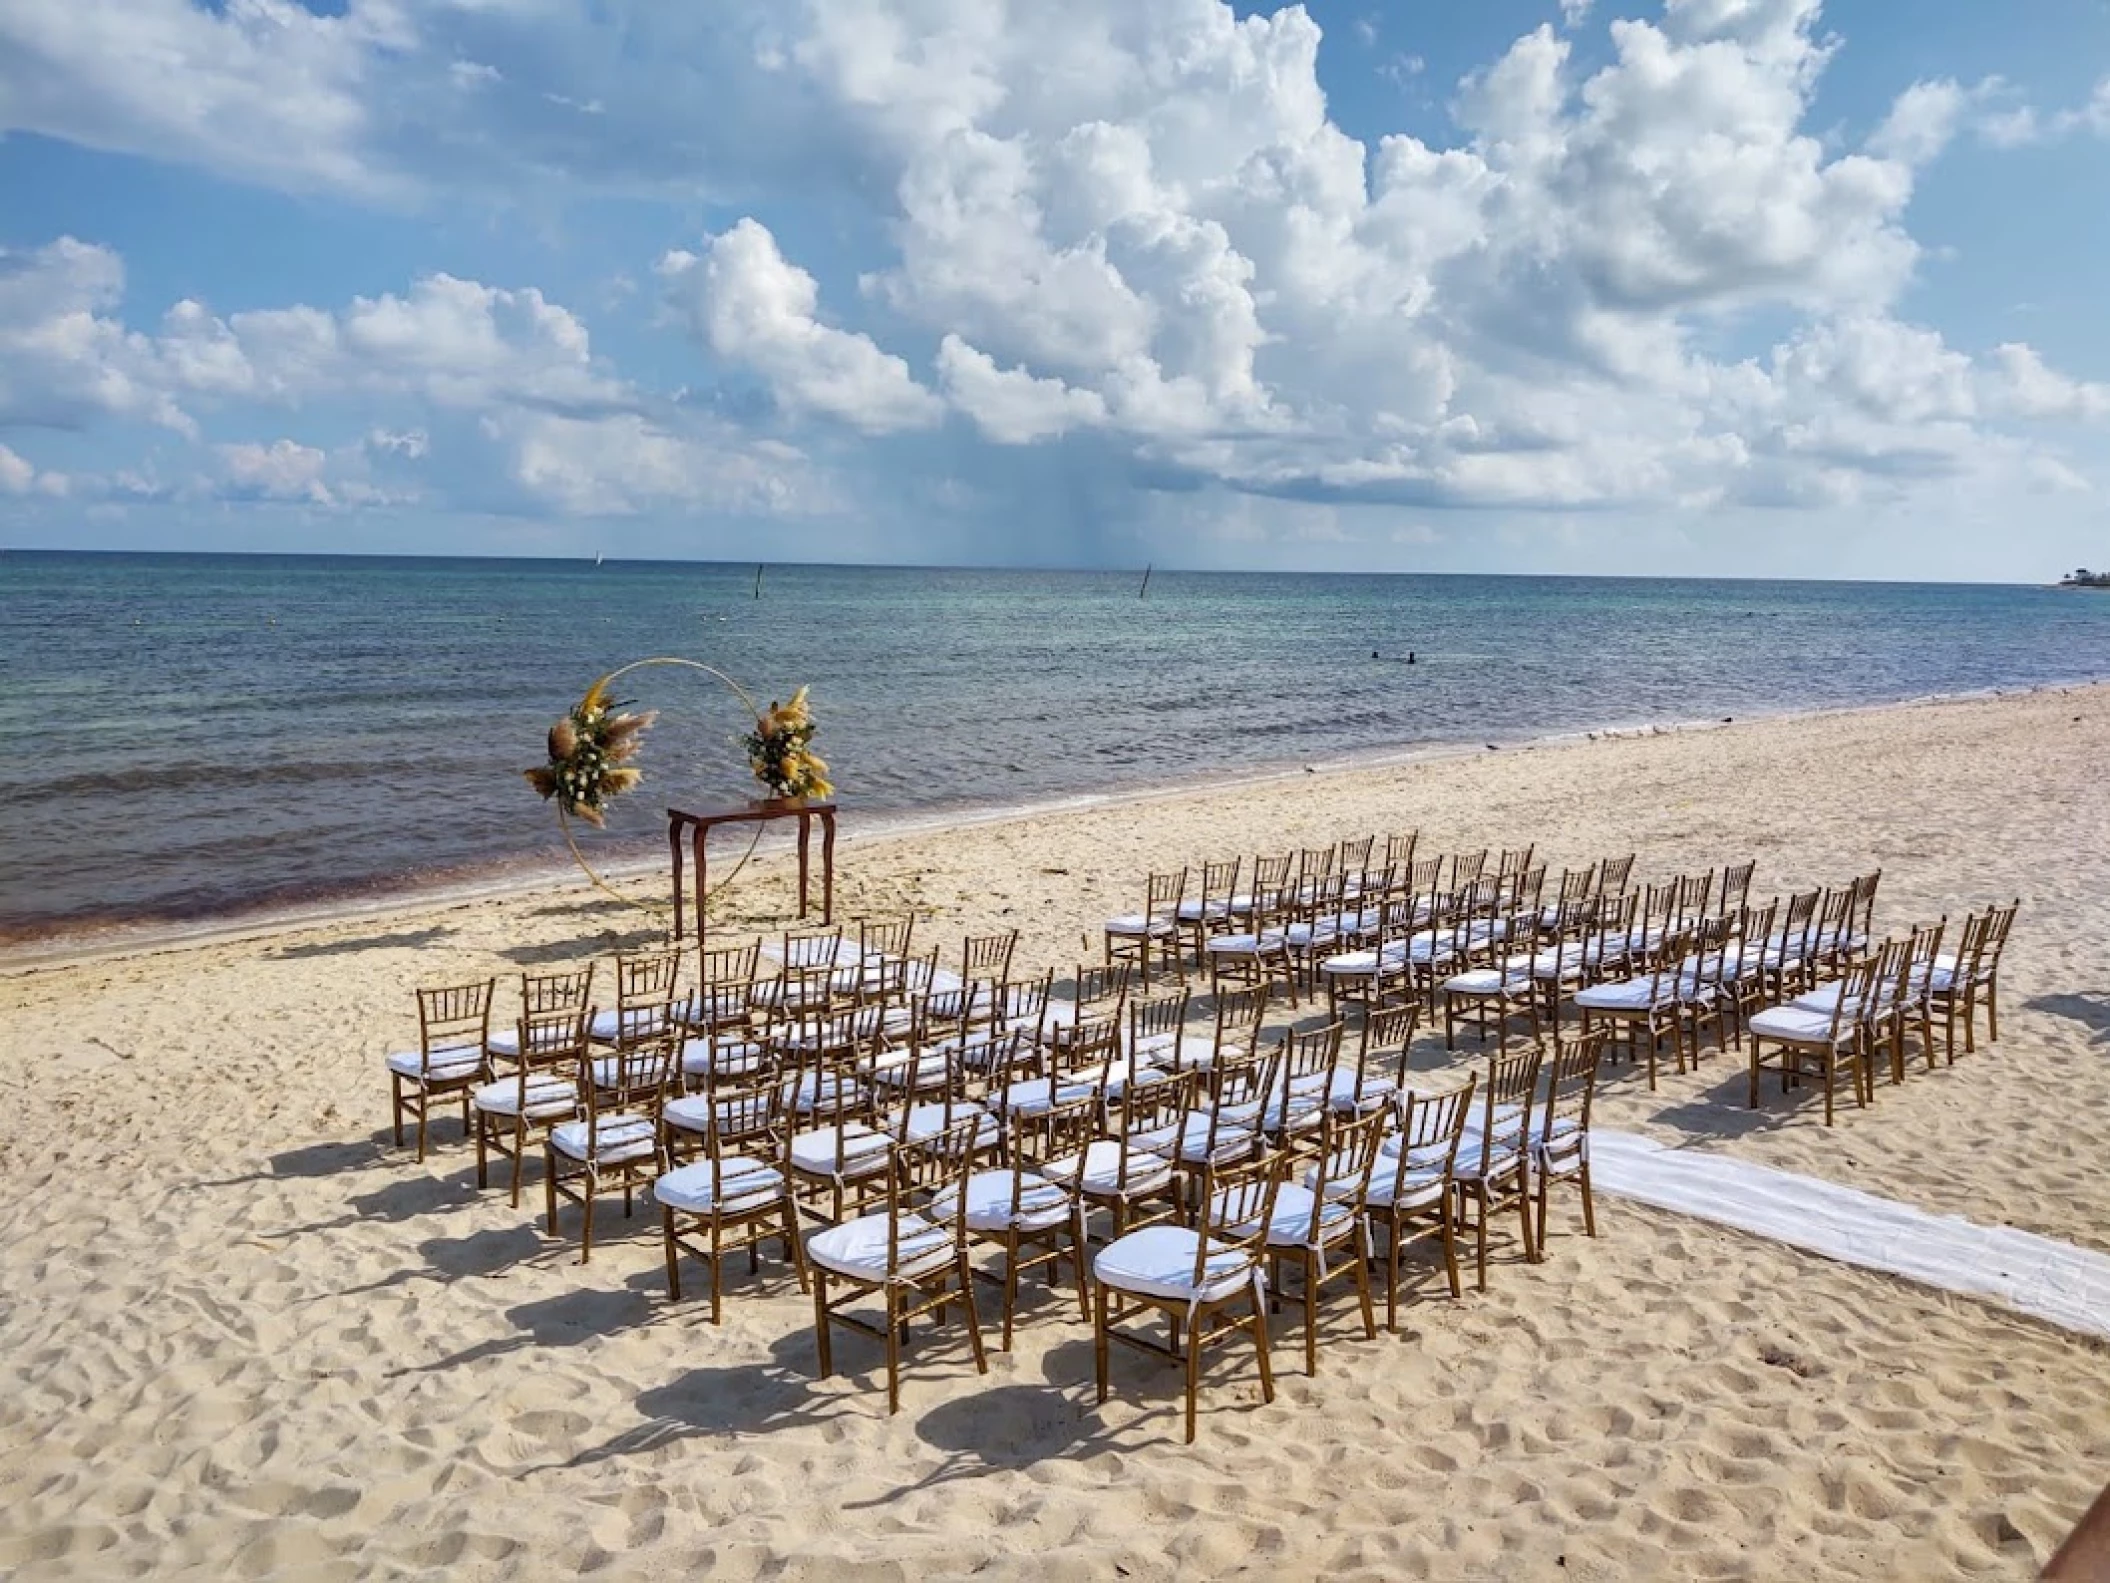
[[700, 825]]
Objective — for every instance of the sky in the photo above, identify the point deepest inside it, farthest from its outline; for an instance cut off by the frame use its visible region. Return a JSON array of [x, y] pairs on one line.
[[1698, 287]]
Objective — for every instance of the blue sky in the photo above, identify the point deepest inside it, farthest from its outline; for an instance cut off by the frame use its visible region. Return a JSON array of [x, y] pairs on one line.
[[1757, 287]]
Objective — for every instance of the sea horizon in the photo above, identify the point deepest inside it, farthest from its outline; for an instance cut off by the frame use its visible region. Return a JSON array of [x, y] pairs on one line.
[[221, 736]]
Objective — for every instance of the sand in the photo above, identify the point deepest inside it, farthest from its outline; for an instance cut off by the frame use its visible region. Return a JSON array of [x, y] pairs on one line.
[[243, 1335]]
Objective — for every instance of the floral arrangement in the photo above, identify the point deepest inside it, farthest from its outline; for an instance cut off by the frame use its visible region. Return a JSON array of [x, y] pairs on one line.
[[777, 751], [589, 753]]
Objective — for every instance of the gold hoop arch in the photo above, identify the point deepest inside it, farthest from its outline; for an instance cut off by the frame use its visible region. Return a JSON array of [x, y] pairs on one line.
[[564, 819]]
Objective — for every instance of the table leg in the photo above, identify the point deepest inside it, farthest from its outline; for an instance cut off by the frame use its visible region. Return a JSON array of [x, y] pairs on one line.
[[828, 868], [805, 833], [701, 836], [674, 848]]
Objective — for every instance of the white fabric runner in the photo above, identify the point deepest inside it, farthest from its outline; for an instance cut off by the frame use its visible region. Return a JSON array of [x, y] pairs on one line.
[[2034, 1275]]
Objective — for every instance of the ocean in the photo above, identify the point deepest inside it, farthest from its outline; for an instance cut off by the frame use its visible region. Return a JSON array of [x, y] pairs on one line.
[[202, 736]]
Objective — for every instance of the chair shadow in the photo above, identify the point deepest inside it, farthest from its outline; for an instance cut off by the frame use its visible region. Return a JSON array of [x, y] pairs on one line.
[[403, 940], [2091, 1011], [479, 1255], [1723, 1110], [582, 946], [563, 1321], [1006, 1429], [597, 908]]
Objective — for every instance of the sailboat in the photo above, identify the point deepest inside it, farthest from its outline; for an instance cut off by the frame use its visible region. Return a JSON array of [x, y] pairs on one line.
[[598, 557]]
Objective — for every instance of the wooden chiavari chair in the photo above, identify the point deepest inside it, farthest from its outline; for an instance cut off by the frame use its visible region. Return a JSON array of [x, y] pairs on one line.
[[1493, 1172], [1037, 1222], [1750, 965], [1196, 1276], [1640, 1011], [1258, 954], [841, 1138], [1412, 1185], [1155, 1030], [1381, 1054], [1209, 911], [647, 997], [1153, 932], [541, 1090], [617, 1140], [569, 990], [1561, 1151], [1128, 1172], [804, 984], [1399, 849], [1297, 1110], [1971, 977], [1317, 1224], [911, 1251], [454, 1031], [1833, 1041], [736, 1196]]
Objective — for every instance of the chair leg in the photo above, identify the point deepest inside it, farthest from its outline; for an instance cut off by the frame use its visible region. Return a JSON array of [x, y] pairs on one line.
[[1099, 1341], [794, 1249], [586, 1239], [1392, 1280], [821, 1343], [1450, 1247], [673, 1255], [1194, 1371], [1589, 1199], [1362, 1285], [395, 1080], [1260, 1343], [519, 1152], [549, 1186], [974, 1320], [718, 1267], [894, 1325], [1311, 1316]]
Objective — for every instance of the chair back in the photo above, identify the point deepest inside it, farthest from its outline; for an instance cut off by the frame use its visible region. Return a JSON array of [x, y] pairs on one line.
[[1507, 1101], [1210, 911], [1351, 860], [1922, 946], [1514, 861], [1348, 1152], [1614, 874], [454, 1017], [1999, 921], [926, 1194], [879, 938], [1272, 873], [1309, 1056], [1863, 919], [1157, 1024], [566, 991], [1571, 1089], [1399, 849], [631, 1082], [1381, 1052], [1734, 890], [553, 1041], [808, 950], [1088, 1042], [1430, 1123], [986, 958], [1098, 986], [1162, 895], [1237, 1205], [1062, 1129], [725, 982], [747, 1121], [1023, 1005]]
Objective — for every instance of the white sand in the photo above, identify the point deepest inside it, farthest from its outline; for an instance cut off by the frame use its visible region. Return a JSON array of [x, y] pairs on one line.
[[242, 1335]]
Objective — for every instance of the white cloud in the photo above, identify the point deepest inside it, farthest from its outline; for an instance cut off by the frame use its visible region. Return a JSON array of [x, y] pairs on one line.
[[1010, 405], [753, 308], [1136, 222], [282, 470], [20, 476]]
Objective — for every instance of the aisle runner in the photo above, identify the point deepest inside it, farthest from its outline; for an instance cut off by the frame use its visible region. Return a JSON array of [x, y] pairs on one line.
[[2049, 1280]]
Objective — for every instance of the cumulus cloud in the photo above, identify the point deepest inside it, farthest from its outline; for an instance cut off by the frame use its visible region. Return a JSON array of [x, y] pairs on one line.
[[753, 308]]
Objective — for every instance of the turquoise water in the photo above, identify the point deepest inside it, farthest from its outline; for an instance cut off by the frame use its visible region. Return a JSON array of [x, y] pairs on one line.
[[201, 735]]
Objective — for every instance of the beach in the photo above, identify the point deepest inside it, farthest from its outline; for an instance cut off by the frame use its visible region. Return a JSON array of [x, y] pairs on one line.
[[246, 1335]]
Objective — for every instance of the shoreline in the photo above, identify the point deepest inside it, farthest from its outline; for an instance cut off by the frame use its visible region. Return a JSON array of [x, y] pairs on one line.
[[116, 940]]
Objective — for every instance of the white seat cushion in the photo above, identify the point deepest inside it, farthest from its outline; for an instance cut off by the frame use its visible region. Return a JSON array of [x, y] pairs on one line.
[[692, 1112], [1097, 1172], [1135, 925], [1041, 1204], [848, 1152], [1342, 1096], [1633, 994], [924, 1122], [858, 1248], [1799, 1025], [1418, 1186], [640, 1022], [1036, 1096], [708, 1058], [505, 1043], [1290, 1225], [747, 1184], [1237, 945], [1188, 1140], [1158, 1261], [546, 1097], [456, 1065], [622, 1139]]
